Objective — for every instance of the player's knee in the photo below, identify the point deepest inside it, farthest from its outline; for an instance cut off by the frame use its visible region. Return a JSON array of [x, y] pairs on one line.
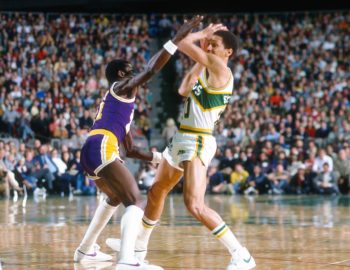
[[113, 201], [131, 198], [195, 207], [158, 191]]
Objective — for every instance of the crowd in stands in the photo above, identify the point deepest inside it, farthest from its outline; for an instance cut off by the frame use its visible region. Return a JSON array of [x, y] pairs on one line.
[[286, 129], [52, 80], [52, 71], [40, 169]]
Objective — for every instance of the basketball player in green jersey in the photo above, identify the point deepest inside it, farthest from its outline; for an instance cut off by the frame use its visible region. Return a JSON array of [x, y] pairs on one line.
[[208, 87]]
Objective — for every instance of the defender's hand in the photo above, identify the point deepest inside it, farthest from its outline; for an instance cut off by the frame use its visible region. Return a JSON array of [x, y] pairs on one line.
[[187, 27]]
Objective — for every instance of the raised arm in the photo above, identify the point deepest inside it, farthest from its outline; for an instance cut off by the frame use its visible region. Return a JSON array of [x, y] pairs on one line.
[[158, 61], [190, 79], [188, 47]]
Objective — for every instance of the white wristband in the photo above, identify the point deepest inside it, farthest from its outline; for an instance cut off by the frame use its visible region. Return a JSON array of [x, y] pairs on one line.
[[170, 47], [157, 157]]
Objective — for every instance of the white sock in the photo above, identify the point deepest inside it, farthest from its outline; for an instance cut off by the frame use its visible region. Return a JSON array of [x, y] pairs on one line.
[[101, 217], [223, 233], [146, 229], [130, 225]]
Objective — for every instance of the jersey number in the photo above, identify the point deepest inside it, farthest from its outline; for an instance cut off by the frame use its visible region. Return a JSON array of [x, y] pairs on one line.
[[187, 108], [99, 111]]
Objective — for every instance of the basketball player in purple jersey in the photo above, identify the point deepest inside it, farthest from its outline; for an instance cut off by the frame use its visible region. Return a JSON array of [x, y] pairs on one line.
[[100, 156]]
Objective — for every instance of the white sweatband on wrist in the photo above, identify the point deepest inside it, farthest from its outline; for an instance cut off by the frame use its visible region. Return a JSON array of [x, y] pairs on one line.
[[170, 47], [157, 157]]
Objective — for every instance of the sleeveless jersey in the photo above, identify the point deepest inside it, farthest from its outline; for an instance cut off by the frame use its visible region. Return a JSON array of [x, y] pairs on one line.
[[204, 106], [114, 114]]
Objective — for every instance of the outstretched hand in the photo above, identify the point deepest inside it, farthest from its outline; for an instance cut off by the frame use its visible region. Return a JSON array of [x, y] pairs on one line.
[[187, 27], [212, 28]]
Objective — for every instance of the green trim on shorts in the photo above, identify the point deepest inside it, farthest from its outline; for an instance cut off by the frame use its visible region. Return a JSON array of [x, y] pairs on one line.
[[184, 130], [200, 145]]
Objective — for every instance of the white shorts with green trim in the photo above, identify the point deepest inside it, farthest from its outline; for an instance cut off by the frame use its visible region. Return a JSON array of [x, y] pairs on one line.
[[185, 146]]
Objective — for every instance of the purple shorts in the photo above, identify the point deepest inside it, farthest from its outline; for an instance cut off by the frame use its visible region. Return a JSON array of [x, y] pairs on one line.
[[100, 149]]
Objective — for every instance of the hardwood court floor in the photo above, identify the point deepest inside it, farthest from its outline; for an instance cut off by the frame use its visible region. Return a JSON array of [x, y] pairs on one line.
[[282, 232]]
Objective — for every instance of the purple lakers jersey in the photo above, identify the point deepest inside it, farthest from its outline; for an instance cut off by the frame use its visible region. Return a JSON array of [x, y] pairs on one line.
[[114, 114]]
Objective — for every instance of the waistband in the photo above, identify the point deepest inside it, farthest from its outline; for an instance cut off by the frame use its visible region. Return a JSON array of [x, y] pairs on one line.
[[195, 130]]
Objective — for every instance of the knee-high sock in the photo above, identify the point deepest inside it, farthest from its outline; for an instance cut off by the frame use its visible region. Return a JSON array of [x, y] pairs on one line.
[[130, 226], [102, 215], [147, 227], [223, 233]]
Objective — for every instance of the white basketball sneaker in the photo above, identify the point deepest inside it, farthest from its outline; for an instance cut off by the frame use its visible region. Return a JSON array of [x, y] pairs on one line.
[[241, 260], [94, 254], [137, 266], [114, 243]]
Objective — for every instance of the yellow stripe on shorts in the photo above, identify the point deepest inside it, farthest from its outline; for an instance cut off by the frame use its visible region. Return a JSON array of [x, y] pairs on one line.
[[109, 145]]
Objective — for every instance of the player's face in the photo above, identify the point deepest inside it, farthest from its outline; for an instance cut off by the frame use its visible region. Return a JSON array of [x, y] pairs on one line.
[[216, 46], [129, 70]]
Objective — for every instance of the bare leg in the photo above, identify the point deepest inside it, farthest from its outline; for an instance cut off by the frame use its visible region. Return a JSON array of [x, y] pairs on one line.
[[165, 180], [194, 192], [117, 179]]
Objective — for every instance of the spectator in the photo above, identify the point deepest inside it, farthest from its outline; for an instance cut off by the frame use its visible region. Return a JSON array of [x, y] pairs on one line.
[[39, 170], [279, 180], [257, 182], [7, 178], [169, 131], [321, 159], [300, 183], [85, 122], [326, 182], [216, 182], [30, 181], [228, 161], [342, 171], [238, 178]]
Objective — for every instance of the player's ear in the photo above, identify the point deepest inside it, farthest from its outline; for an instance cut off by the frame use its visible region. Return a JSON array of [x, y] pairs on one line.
[[229, 52], [121, 74]]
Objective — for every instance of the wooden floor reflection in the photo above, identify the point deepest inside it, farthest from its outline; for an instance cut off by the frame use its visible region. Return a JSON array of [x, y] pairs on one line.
[[281, 233]]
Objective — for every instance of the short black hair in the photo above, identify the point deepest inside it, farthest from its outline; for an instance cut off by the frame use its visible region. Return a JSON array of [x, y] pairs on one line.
[[230, 40], [112, 69]]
